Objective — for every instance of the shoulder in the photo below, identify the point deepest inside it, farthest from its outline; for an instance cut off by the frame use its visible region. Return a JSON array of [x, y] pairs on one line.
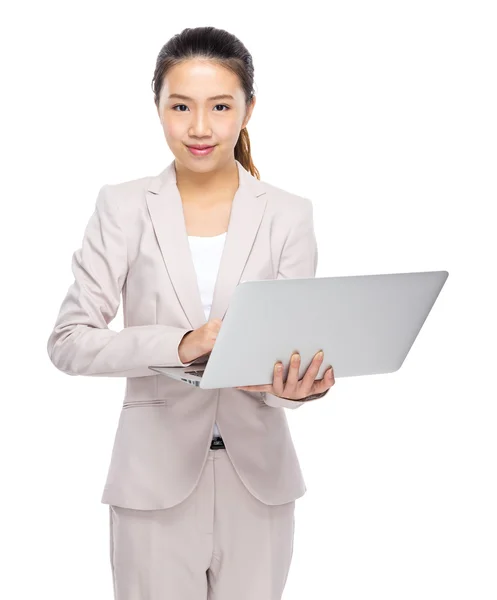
[[286, 205], [127, 191], [124, 199]]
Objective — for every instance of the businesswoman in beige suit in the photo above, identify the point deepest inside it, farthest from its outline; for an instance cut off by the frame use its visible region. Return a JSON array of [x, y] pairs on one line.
[[202, 484]]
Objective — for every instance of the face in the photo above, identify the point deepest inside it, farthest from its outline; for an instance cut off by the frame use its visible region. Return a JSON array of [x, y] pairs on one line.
[[198, 118]]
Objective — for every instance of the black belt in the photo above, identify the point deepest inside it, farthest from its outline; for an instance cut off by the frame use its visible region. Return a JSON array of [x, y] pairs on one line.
[[217, 443]]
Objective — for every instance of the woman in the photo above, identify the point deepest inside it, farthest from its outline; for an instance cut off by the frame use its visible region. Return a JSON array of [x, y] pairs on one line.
[[202, 483]]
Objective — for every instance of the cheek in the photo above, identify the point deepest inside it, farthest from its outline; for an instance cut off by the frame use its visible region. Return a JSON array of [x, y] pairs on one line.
[[173, 131], [228, 130], [172, 123]]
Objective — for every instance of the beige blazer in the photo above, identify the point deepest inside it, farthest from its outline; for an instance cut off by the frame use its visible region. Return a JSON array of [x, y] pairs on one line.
[[136, 244]]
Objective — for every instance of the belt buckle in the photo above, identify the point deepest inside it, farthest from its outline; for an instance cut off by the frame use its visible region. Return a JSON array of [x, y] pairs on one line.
[[217, 443]]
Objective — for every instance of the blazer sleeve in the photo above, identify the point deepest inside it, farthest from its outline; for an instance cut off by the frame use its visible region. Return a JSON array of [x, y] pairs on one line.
[[299, 259], [81, 342]]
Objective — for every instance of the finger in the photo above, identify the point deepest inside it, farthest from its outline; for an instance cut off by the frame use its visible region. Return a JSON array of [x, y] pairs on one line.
[[309, 378], [326, 382], [278, 385], [292, 381]]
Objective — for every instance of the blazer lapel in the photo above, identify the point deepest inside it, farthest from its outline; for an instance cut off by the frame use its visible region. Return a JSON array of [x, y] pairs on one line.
[[166, 212]]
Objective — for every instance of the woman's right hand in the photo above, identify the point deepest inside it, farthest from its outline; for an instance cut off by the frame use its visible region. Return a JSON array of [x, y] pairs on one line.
[[200, 341]]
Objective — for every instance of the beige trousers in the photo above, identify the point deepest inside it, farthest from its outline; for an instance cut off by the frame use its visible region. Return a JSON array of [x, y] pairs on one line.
[[220, 543]]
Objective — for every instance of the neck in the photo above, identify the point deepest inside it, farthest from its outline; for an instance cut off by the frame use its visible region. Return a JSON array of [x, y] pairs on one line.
[[223, 179]]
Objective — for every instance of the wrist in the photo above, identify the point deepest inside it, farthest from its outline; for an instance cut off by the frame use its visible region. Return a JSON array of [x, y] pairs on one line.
[[311, 397], [183, 349]]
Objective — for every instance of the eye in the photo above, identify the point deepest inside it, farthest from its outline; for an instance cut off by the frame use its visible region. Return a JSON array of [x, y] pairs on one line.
[[177, 105]]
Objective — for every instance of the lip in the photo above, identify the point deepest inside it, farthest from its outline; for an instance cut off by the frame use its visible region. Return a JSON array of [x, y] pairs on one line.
[[200, 150]]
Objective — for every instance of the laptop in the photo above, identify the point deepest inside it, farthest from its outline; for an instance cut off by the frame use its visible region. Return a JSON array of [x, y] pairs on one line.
[[365, 324]]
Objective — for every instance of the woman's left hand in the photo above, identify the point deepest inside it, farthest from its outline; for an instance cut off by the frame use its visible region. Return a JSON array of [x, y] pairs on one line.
[[293, 388]]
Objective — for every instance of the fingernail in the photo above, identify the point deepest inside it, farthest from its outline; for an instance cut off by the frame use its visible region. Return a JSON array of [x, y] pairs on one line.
[[278, 367], [295, 357], [320, 354]]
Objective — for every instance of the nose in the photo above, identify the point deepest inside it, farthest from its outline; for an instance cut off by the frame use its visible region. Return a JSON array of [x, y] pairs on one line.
[[200, 125]]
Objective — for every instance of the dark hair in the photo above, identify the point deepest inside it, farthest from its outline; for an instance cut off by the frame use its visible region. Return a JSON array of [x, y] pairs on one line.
[[223, 48]]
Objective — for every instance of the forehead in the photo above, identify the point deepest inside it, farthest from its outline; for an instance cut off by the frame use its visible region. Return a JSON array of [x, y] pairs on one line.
[[200, 79]]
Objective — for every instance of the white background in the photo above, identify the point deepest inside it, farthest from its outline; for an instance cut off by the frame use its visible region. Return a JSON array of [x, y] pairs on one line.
[[384, 114]]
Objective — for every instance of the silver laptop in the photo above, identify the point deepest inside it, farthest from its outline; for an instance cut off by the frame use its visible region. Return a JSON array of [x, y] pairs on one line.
[[365, 324]]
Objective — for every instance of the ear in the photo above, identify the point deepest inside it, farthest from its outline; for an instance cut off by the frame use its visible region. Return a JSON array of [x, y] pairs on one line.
[[249, 112]]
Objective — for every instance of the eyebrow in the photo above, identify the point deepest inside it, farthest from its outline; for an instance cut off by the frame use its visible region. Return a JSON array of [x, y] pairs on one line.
[[218, 97]]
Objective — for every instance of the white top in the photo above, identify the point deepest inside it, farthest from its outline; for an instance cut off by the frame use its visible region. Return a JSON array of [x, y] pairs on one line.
[[206, 254]]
